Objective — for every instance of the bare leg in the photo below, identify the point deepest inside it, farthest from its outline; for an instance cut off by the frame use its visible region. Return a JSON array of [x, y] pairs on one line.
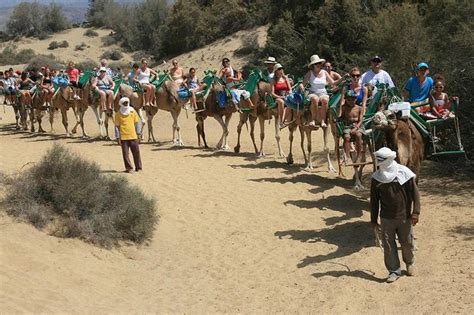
[[314, 110]]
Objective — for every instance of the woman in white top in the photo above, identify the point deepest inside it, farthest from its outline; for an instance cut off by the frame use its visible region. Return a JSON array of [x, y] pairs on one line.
[[318, 79], [142, 76]]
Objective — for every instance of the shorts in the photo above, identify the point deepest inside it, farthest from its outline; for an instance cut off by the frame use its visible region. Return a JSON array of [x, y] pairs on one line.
[[238, 94], [76, 84], [10, 91], [348, 129], [319, 95]]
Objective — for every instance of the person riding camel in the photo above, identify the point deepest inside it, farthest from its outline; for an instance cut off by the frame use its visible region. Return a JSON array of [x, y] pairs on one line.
[[360, 91], [440, 103], [104, 85], [318, 78], [10, 87], [417, 88], [352, 117], [333, 74], [230, 76], [281, 88], [270, 71], [376, 75], [26, 87], [194, 86], [73, 75], [142, 76], [47, 87], [177, 73], [105, 64]]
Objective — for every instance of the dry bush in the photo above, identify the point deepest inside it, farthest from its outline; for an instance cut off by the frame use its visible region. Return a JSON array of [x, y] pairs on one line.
[[81, 46], [70, 197], [91, 33], [112, 55]]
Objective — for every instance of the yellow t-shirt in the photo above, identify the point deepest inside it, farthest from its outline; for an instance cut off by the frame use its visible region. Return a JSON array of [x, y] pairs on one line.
[[126, 125]]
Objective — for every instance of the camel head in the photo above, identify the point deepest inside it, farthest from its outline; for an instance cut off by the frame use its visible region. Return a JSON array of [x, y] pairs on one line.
[[385, 120]]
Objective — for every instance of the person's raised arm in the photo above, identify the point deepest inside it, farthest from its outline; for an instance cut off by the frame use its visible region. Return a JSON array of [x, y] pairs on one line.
[[288, 84]]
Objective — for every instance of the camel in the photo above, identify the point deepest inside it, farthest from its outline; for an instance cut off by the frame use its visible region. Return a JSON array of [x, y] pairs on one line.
[[261, 112], [303, 117], [166, 99], [212, 109], [63, 101], [38, 110], [403, 137], [22, 107]]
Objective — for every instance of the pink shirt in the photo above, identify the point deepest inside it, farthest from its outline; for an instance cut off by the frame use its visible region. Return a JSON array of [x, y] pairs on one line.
[[73, 74]]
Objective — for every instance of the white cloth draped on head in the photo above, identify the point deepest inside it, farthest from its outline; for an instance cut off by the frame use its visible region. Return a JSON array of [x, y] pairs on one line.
[[125, 107], [389, 170]]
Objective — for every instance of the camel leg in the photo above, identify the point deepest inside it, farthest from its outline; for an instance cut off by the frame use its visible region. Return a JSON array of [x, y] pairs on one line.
[[176, 129], [51, 120], [32, 120], [261, 122], [81, 119], [225, 131], [16, 110], [277, 137], [227, 122], [100, 120], [108, 115], [149, 116], [64, 119], [309, 162], [78, 121], [39, 118], [200, 131], [289, 158], [243, 118], [142, 119], [331, 168]]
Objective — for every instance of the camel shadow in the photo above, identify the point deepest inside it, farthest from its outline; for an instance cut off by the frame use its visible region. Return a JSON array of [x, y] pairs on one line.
[[351, 206], [322, 183], [220, 153], [349, 238], [288, 169]]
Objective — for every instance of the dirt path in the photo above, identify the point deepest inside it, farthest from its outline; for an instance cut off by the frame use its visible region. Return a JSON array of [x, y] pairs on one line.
[[237, 234]]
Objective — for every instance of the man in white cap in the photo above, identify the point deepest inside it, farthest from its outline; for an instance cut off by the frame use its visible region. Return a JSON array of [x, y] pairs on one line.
[[270, 71], [127, 129], [394, 195]]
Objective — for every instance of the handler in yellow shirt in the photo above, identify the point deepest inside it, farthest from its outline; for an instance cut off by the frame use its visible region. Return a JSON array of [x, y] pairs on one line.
[[127, 129]]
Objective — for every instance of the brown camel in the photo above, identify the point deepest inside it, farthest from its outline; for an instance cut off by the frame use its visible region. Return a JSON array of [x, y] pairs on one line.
[[402, 137], [303, 117], [63, 101], [38, 110], [261, 112], [221, 114], [22, 107], [166, 99]]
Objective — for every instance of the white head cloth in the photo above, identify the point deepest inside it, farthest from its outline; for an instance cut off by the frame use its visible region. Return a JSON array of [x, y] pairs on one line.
[[389, 170], [125, 107]]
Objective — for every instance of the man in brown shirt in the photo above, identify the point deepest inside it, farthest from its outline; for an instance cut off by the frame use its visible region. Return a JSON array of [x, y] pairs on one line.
[[394, 196]]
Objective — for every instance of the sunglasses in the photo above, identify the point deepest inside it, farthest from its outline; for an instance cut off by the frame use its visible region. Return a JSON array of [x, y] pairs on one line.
[[376, 61], [355, 75], [439, 87]]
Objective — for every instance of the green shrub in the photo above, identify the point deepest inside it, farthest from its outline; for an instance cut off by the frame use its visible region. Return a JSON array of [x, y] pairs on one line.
[[86, 65], [53, 45], [91, 33], [81, 46], [109, 40], [64, 44], [40, 60], [72, 198], [112, 55]]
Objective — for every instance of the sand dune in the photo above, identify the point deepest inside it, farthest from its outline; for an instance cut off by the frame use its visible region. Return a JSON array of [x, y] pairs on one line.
[[237, 234]]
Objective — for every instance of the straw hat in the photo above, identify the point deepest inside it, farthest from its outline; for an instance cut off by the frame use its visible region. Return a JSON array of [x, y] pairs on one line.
[[314, 60], [270, 60], [278, 66]]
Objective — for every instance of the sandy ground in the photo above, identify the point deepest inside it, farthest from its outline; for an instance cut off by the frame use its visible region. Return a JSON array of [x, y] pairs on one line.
[[237, 235]]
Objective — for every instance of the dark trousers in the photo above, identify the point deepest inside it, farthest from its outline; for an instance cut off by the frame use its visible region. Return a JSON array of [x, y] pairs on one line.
[[133, 146], [404, 230]]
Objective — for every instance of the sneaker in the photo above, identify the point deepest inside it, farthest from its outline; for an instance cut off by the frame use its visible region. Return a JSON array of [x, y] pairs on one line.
[[392, 277], [410, 270]]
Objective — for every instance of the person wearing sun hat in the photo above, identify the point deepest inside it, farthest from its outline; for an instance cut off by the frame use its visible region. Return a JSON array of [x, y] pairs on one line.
[[318, 78], [417, 88], [376, 75], [395, 198], [270, 62], [127, 129]]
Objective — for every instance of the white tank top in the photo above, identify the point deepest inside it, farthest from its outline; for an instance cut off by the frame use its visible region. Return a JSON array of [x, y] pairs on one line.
[[144, 76], [318, 85]]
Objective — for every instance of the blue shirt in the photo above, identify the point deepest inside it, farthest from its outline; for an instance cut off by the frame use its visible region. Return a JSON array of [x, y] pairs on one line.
[[416, 92]]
